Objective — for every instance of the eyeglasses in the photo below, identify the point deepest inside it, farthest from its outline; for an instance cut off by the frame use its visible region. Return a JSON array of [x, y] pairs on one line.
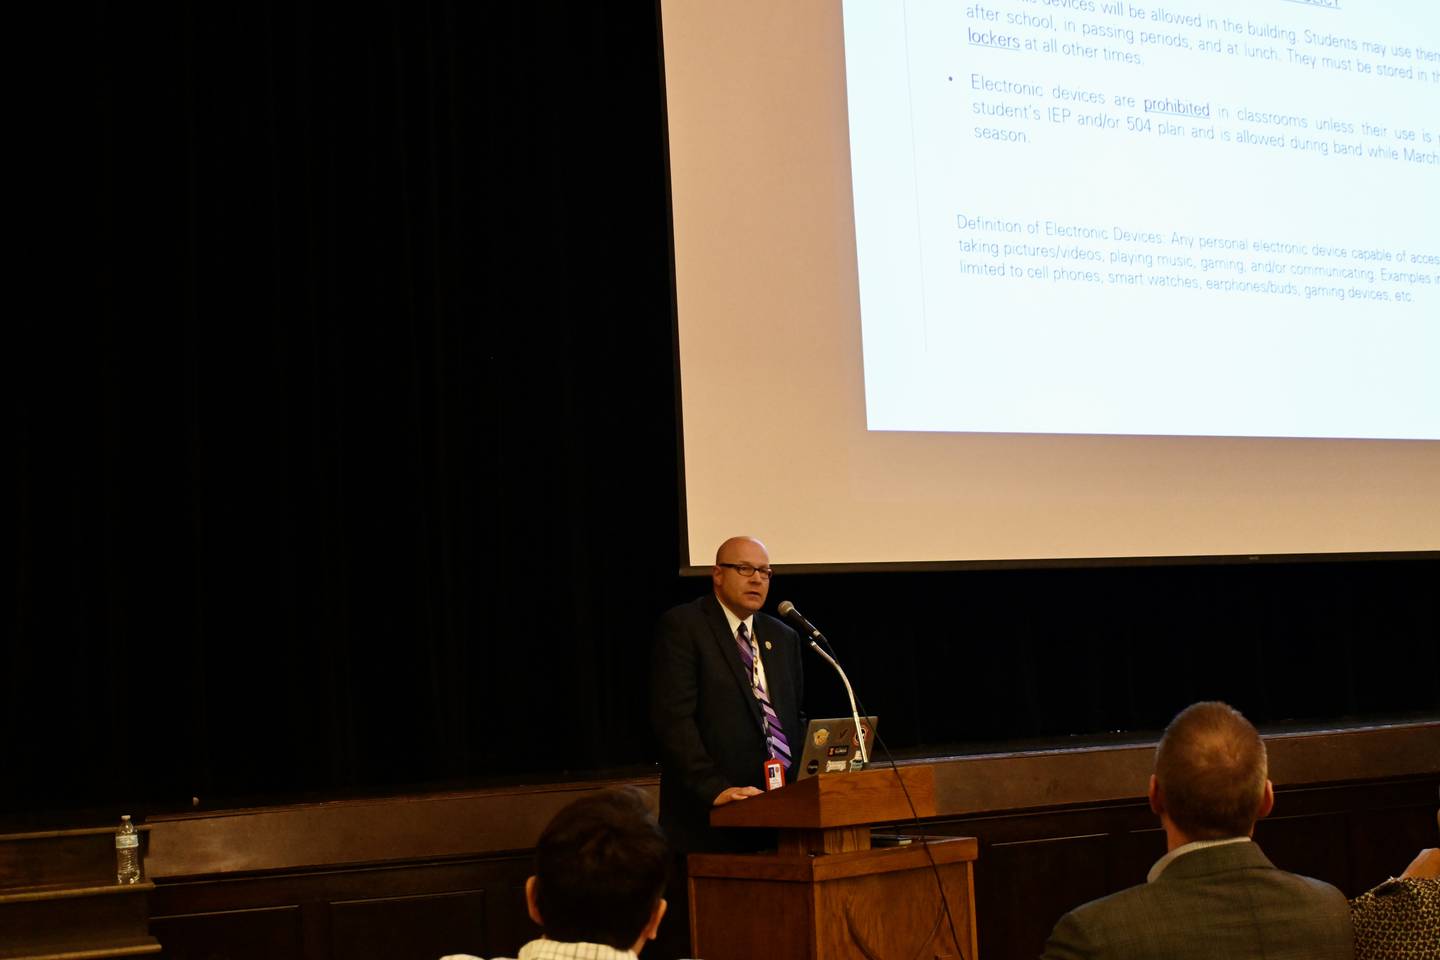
[[746, 570]]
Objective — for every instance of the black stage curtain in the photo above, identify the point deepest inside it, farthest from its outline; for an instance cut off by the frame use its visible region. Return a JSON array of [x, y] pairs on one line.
[[346, 451]]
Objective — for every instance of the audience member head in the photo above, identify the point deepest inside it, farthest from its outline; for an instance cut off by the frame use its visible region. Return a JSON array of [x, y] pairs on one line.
[[1210, 774], [600, 871]]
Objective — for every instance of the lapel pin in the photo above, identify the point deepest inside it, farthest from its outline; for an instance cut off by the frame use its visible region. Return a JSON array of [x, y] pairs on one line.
[[767, 645]]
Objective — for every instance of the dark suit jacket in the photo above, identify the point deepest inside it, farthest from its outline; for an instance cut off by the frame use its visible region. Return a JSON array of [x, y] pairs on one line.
[[1220, 902], [707, 720]]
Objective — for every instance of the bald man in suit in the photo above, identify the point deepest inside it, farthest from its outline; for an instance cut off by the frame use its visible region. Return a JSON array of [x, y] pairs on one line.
[[713, 730]]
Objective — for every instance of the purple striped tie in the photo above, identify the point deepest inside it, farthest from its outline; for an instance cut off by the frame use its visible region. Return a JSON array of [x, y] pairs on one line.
[[774, 733]]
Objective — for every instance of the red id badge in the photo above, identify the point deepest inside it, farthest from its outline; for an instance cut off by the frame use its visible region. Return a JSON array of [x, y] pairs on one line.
[[774, 774]]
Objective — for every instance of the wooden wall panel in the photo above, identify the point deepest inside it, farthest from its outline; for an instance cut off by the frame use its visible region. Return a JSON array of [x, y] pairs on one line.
[[409, 928], [271, 933], [1380, 827], [1315, 845], [1383, 841], [500, 877], [1015, 885], [426, 910], [1131, 855]]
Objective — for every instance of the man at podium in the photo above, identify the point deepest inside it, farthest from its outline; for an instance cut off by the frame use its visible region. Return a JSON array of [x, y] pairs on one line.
[[725, 689]]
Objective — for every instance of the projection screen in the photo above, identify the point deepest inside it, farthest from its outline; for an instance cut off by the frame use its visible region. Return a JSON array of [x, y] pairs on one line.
[[1056, 280]]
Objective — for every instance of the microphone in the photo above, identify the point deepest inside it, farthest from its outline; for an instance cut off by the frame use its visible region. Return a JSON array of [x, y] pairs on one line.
[[812, 633], [788, 611]]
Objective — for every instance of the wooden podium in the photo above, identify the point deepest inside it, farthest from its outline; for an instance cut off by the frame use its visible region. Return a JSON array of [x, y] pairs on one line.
[[826, 893]]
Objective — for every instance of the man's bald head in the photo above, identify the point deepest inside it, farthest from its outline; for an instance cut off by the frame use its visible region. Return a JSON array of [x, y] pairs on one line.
[[735, 546], [1211, 771], [742, 593]]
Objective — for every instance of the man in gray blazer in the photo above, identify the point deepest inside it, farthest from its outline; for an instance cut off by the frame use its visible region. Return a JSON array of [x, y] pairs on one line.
[[1214, 894]]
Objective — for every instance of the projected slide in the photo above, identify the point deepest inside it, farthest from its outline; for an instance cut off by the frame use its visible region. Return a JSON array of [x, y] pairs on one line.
[[1084, 216]]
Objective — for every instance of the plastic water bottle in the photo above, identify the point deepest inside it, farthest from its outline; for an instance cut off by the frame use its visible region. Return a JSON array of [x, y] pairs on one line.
[[127, 852]]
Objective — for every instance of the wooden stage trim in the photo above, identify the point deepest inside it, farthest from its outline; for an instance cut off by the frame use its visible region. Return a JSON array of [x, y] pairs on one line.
[[508, 820], [1060, 778], [58, 892], [420, 827]]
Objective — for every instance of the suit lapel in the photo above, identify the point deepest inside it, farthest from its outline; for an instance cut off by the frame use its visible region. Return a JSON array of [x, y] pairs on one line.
[[730, 653]]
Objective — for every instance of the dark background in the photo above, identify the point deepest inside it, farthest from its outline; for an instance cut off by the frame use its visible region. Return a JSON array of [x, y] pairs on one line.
[[346, 447]]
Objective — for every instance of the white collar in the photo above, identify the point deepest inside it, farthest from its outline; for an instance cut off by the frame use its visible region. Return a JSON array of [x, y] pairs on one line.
[[544, 949], [735, 621], [1180, 851]]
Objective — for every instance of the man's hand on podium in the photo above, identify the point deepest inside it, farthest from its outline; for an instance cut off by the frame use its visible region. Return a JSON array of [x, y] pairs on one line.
[[732, 794]]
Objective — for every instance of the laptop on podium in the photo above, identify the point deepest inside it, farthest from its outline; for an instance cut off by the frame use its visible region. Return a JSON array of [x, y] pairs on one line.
[[831, 747]]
